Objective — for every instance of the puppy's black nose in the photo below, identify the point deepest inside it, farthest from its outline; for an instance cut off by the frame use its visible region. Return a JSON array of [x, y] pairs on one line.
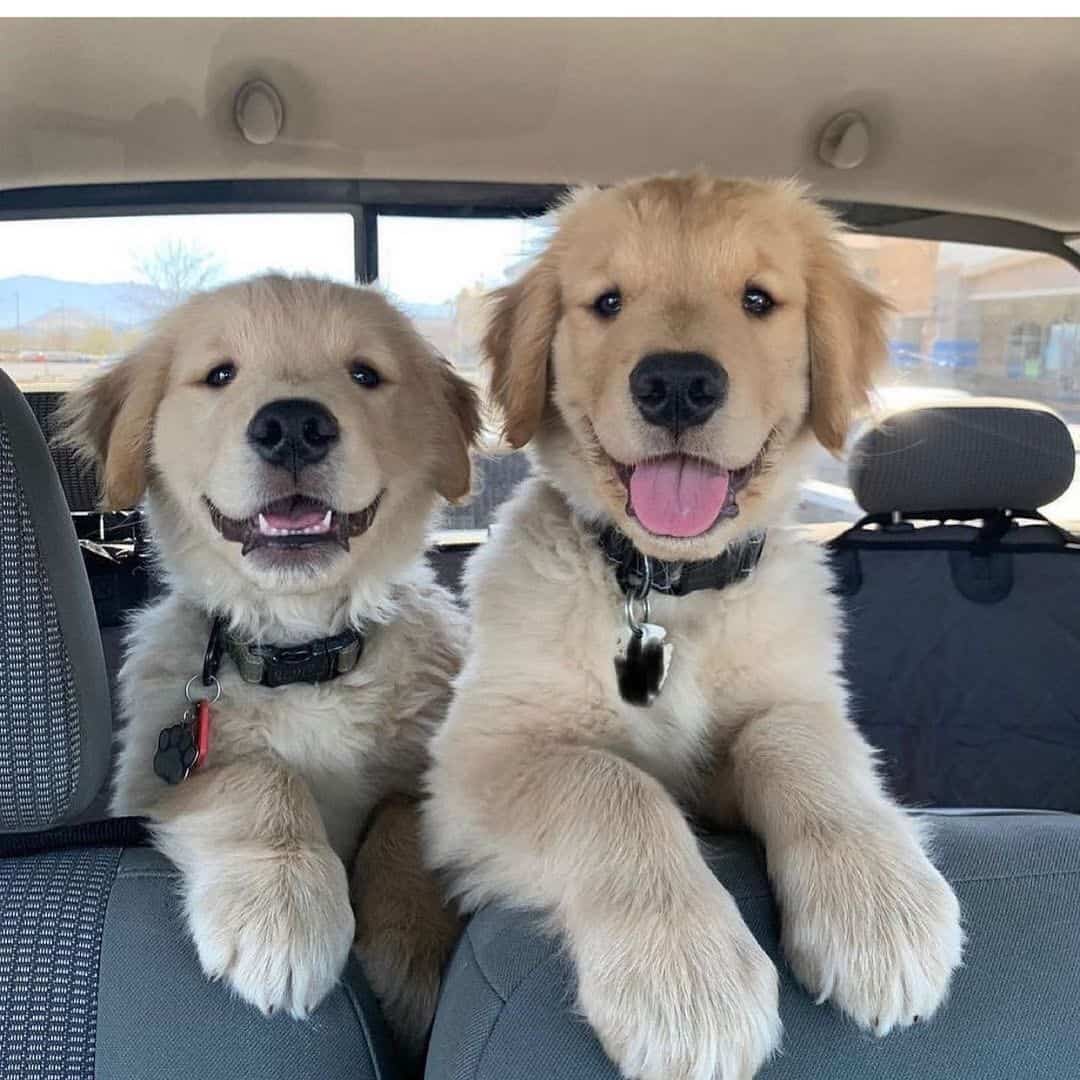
[[678, 390], [292, 433]]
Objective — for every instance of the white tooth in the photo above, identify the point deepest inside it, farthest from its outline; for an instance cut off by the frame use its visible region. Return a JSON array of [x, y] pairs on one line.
[[266, 529]]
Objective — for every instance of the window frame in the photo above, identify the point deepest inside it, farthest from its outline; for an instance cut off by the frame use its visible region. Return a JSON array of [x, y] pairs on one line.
[[365, 200], [361, 200]]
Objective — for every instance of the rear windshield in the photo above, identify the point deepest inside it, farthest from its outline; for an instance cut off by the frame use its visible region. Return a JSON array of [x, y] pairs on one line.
[[75, 293]]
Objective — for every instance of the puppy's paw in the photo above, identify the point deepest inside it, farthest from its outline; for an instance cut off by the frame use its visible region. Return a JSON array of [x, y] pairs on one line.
[[404, 930], [874, 929], [405, 975], [276, 926], [689, 995]]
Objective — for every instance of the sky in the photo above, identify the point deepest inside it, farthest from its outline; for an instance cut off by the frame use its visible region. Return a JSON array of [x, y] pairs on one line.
[[421, 260], [432, 259], [969, 254]]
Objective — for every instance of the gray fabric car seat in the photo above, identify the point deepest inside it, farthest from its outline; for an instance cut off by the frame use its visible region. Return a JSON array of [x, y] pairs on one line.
[[54, 701], [963, 651], [963, 633], [506, 1011], [97, 976], [78, 478]]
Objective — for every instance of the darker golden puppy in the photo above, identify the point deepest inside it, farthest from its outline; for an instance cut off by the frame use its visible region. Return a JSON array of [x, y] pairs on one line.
[[649, 635]]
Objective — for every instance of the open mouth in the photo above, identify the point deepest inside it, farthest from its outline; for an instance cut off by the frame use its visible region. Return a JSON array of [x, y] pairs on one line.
[[682, 496], [293, 522]]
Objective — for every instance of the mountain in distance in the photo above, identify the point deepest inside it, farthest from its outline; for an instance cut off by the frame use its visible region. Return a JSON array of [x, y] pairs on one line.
[[26, 301], [66, 320], [124, 305]]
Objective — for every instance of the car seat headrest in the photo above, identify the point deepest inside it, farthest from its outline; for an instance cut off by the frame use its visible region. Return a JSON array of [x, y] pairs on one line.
[[962, 459]]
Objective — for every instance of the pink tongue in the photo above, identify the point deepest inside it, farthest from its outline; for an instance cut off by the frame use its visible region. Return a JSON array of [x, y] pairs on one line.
[[305, 519], [678, 496]]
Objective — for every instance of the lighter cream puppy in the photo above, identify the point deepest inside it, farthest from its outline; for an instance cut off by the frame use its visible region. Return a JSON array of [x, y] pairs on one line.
[[290, 439], [548, 789]]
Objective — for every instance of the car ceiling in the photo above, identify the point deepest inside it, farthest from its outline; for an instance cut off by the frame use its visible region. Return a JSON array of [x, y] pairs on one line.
[[972, 116]]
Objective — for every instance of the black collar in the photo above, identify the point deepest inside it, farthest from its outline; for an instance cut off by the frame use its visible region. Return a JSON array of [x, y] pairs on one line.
[[637, 573], [282, 665]]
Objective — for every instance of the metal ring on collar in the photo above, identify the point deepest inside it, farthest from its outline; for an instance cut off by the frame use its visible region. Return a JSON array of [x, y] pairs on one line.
[[646, 579], [213, 683], [631, 621]]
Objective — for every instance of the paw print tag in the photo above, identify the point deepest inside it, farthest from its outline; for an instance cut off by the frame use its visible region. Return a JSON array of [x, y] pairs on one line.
[[184, 747], [177, 750]]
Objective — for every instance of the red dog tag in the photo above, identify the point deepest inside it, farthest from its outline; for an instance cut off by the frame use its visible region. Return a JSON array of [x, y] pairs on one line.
[[202, 732]]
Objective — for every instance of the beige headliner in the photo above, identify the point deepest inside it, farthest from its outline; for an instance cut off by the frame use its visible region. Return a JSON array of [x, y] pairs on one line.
[[981, 116]]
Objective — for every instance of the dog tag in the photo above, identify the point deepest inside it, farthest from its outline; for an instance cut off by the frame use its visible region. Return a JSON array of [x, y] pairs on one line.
[[642, 660], [182, 748], [177, 750], [202, 732]]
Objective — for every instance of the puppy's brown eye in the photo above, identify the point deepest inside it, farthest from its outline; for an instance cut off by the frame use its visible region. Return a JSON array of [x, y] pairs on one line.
[[608, 305], [757, 301], [364, 375], [221, 375]]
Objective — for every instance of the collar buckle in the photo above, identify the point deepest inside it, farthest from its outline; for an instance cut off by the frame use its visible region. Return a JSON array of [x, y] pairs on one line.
[[312, 662]]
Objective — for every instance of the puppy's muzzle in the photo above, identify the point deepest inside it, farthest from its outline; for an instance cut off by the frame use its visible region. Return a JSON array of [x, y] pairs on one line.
[[292, 433], [678, 390]]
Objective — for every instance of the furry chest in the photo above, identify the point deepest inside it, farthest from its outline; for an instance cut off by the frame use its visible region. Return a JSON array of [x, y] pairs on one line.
[[326, 735], [701, 696], [305, 726], [670, 736]]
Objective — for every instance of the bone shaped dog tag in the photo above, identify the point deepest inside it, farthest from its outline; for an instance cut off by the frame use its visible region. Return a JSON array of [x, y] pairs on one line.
[[642, 660]]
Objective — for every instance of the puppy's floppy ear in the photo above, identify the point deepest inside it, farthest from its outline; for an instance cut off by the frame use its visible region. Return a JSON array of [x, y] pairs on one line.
[[518, 342], [110, 420], [846, 325], [457, 430]]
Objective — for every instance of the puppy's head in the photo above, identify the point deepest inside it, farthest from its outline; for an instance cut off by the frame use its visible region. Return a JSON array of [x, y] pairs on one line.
[[293, 431], [674, 344]]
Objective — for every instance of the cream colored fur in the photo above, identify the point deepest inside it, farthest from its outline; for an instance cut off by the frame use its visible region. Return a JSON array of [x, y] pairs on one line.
[[266, 834], [547, 790]]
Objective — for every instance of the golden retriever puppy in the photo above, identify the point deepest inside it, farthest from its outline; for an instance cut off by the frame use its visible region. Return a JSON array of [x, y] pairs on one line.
[[650, 639], [290, 439]]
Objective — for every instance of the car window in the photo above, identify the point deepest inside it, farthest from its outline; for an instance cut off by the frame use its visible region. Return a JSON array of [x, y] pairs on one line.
[[438, 270], [969, 320], [76, 292]]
